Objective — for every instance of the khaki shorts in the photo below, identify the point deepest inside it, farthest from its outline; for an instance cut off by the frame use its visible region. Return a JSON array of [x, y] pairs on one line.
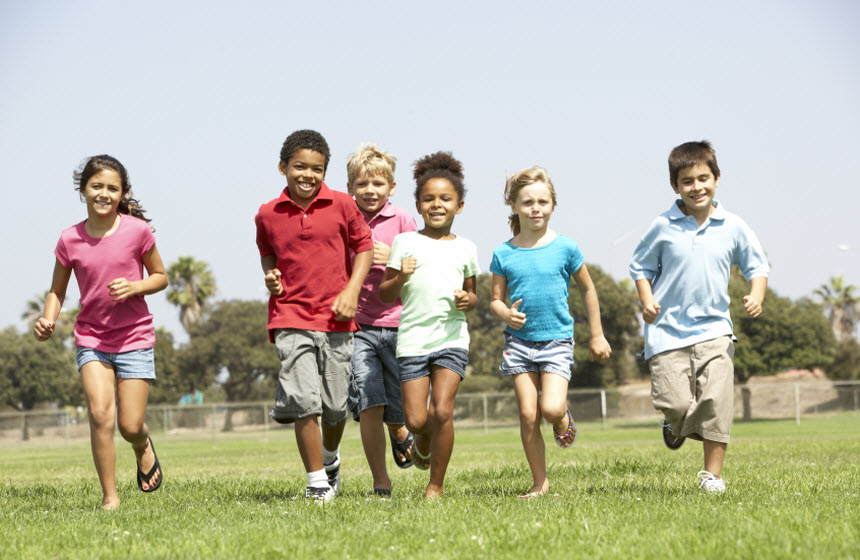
[[694, 388], [314, 375]]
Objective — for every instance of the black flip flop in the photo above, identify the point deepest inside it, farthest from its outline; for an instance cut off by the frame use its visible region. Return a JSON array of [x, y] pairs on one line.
[[148, 476], [402, 447]]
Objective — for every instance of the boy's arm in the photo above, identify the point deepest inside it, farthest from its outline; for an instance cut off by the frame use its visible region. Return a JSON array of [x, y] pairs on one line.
[[346, 302], [510, 315], [598, 345], [466, 299], [272, 274], [753, 301], [650, 307]]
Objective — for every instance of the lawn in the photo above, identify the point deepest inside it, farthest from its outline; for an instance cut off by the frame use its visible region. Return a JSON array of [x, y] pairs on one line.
[[793, 492]]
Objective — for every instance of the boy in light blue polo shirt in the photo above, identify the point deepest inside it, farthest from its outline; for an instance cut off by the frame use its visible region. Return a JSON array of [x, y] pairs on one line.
[[681, 269]]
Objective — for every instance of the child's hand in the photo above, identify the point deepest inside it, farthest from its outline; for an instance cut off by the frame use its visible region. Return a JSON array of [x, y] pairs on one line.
[[599, 348], [461, 300], [515, 318], [752, 305], [43, 329], [121, 289], [345, 305], [380, 253], [650, 310], [273, 282], [407, 267]]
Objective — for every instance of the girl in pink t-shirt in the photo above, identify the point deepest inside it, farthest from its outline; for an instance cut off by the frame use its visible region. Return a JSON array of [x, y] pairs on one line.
[[114, 334]]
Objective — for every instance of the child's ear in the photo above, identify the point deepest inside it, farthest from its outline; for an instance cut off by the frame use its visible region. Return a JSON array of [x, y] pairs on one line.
[[349, 189], [393, 188], [674, 188], [460, 205], [282, 168]]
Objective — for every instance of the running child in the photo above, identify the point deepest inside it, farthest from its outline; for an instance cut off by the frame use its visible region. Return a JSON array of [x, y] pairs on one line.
[[536, 265], [681, 269], [114, 332], [305, 237], [374, 389], [434, 271]]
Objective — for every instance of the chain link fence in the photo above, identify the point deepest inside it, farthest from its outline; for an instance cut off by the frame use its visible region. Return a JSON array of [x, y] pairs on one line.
[[630, 405]]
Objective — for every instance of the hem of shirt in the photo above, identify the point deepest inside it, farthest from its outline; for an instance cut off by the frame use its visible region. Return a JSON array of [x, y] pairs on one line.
[[141, 345], [685, 343], [426, 352]]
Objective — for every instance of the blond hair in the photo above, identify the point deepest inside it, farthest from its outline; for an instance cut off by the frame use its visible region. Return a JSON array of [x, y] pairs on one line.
[[372, 160], [515, 183]]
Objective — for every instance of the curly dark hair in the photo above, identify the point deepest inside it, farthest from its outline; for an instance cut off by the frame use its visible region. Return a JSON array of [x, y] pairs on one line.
[[95, 164], [305, 140], [439, 165]]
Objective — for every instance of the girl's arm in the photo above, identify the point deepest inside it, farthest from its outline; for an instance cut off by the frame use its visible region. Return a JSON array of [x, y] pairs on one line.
[[598, 345], [155, 281], [510, 315], [650, 307], [346, 302], [466, 299], [44, 327], [393, 279]]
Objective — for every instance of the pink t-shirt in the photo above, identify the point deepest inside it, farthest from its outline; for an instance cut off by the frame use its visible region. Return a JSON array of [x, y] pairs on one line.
[[104, 324], [388, 222]]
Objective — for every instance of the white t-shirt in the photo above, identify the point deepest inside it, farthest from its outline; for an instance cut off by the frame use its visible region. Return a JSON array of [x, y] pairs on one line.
[[429, 321]]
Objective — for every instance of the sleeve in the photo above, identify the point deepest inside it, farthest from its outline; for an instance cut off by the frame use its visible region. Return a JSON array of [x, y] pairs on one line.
[[407, 223], [360, 238], [496, 264], [147, 238], [62, 254], [395, 255], [263, 244], [749, 256], [575, 259], [471, 267], [645, 264]]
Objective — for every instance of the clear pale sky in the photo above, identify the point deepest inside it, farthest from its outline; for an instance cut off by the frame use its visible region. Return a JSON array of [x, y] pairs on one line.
[[195, 98]]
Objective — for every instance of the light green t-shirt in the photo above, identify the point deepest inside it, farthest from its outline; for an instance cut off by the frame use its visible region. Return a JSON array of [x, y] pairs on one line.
[[429, 321]]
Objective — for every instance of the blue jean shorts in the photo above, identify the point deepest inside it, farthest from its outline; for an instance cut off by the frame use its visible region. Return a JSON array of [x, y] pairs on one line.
[[134, 364], [551, 356], [416, 367], [375, 379]]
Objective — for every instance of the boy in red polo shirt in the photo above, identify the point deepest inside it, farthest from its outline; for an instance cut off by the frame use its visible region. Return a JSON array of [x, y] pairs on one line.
[[305, 237]]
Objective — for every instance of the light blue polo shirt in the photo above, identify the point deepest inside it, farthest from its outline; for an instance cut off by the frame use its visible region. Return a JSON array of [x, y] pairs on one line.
[[689, 267]]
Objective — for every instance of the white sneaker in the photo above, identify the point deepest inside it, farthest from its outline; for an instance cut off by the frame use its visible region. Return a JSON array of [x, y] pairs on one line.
[[332, 470], [710, 483], [319, 495]]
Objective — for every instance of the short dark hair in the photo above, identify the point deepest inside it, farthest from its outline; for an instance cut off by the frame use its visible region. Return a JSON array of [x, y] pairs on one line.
[[305, 140], [689, 154], [439, 165]]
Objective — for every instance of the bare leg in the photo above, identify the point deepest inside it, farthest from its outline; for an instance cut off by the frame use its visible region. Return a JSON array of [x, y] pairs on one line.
[[415, 393], [715, 456], [373, 441], [445, 384], [309, 442], [553, 401], [526, 390], [133, 395], [99, 383], [331, 435]]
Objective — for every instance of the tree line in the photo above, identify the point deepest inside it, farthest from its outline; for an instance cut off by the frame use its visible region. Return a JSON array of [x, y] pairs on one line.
[[228, 355]]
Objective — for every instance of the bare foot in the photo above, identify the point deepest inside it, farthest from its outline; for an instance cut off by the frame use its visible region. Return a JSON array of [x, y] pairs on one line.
[[433, 492], [537, 490], [110, 504]]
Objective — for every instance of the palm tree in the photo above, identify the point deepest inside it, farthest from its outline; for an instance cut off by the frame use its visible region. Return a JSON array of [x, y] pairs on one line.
[[191, 286], [840, 301]]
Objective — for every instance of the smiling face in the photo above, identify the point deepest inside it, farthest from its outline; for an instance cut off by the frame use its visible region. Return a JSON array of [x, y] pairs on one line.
[[534, 207], [305, 172], [103, 193], [438, 203], [696, 186], [371, 192]]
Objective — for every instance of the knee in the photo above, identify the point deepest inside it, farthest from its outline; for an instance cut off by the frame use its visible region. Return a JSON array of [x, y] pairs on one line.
[[130, 431], [416, 422], [102, 416], [529, 417], [440, 414], [554, 413]]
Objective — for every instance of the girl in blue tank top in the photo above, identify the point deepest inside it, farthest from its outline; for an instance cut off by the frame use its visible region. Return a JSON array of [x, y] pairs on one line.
[[536, 265]]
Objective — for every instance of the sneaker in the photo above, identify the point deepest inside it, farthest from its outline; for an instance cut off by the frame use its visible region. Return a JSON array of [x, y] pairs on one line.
[[333, 471], [669, 438], [710, 483], [319, 495]]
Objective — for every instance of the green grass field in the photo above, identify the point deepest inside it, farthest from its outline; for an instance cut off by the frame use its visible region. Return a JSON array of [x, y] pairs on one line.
[[793, 492]]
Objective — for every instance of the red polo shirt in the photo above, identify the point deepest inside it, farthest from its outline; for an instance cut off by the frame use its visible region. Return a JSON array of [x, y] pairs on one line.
[[313, 250]]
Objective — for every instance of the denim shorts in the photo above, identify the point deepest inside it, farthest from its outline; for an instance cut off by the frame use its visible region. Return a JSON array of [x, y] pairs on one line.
[[134, 364], [314, 375], [550, 356], [416, 367], [375, 379]]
